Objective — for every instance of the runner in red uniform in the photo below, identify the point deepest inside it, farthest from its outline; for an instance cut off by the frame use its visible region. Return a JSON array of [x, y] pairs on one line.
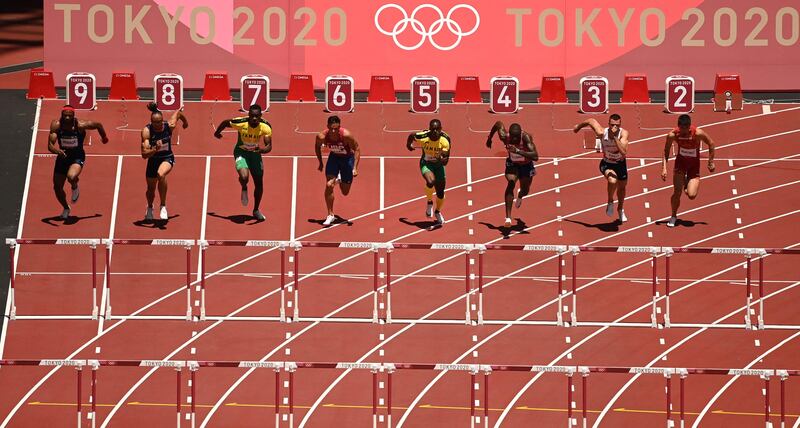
[[686, 176], [519, 164], [342, 163]]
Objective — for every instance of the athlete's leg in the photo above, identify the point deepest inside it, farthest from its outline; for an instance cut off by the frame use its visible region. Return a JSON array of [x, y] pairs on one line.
[[692, 187], [258, 192], [330, 184], [58, 188], [678, 182], [163, 170], [511, 182]]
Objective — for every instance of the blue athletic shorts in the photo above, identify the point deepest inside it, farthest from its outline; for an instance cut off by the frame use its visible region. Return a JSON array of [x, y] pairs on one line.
[[340, 165]]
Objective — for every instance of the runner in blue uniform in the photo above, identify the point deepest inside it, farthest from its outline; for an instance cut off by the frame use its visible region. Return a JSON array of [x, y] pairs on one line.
[[157, 149]]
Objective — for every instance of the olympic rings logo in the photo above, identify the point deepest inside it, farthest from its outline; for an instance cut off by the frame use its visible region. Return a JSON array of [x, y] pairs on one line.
[[432, 30]]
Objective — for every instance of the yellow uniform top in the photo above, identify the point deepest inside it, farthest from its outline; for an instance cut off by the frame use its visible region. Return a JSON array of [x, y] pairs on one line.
[[432, 149], [248, 136]]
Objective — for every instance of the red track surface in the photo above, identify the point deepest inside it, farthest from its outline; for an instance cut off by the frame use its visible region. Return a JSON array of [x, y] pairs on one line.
[[751, 201]]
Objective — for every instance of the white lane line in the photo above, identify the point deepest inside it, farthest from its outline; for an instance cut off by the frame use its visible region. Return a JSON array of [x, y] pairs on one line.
[[114, 205], [294, 198], [382, 202], [21, 223], [469, 170], [204, 216]]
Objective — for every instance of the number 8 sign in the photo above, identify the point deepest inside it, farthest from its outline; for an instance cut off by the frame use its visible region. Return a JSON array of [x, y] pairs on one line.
[[593, 94], [168, 91], [81, 91], [424, 94], [504, 94], [679, 94], [339, 94]]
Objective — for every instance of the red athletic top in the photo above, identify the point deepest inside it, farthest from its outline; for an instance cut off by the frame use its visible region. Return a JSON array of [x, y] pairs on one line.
[[516, 157], [336, 143], [688, 146]]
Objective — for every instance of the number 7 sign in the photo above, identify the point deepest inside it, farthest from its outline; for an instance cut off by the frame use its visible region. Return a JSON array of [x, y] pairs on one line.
[[254, 89]]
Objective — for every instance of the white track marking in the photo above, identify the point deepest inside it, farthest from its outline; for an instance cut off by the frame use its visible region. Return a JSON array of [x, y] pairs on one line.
[[381, 200], [114, 205], [204, 216], [294, 198]]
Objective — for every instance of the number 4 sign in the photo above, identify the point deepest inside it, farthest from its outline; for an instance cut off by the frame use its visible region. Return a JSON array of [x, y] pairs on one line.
[[168, 91], [504, 94], [339, 94]]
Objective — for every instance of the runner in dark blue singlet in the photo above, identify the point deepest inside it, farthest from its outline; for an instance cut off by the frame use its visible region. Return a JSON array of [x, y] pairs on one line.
[[157, 149]]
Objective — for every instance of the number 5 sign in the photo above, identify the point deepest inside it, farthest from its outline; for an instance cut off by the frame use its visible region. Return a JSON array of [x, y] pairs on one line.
[[254, 89], [679, 94], [504, 94], [168, 91], [339, 94], [593, 94], [424, 94], [81, 91]]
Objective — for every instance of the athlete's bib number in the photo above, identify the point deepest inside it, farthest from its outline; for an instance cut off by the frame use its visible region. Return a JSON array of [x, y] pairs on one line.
[[338, 149], [69, 142], [692, 153], [516, 157], [164, 146]]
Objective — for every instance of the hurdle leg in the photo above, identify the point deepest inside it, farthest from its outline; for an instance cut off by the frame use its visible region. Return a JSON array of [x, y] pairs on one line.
[[12, 314], [574, 316], [559, 316], [108, 280], [283, 284], [749, 297], [94, 395], [202, 255], [389, 292], [94, 281], [480, 286], [374, 399], [188, 283], [79, 371], [291, 398], [472, 400], [296, 284], [178, 397], [486, 398], [467, 289], [669, 400], [569, 400], [761, 292], [653, 319], [389, 398], [767, 422], [375, 286], [667, 290], [584, 399], [682, 398], [277, 398]]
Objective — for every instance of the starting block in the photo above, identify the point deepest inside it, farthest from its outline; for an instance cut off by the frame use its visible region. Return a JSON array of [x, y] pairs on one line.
[[216, 87], [728, 93], [301, 88], [381, 90], [468, 90], [41, 84], [553, 90], [634, 90], [123, 86]]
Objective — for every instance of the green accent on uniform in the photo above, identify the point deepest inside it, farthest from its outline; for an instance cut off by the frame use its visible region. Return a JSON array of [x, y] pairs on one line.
[[249, 160], [436, 168]]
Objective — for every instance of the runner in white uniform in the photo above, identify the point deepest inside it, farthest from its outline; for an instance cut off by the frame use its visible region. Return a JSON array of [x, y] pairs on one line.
[[613, 166]]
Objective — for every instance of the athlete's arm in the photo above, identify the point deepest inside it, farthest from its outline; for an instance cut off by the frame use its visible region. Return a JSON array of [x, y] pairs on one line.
[[267, 145], [348, 139], [90, 124], [498, 128], [410, 141], [711, 148], [621, 141], [590, 122], [222, 125], [147, 151], [667, 147], [52, 140], [178, 115], [319, 141]]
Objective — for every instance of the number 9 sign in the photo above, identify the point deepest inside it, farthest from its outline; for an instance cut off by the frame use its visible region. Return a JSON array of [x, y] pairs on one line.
[[424, 94], [593, 94], [168, 91], [339, 94], [81, 92], [679, 94]]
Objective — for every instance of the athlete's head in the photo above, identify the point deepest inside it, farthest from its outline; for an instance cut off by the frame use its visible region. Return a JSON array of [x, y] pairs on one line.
[[614, 122], [435, 128], [156, 117], [515, 133], [254, 115], [67, 119], [334, 123], [684, 121]]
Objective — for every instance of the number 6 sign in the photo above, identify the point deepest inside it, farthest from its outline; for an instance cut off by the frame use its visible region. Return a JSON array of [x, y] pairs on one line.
[[424, 94], [679, 94], [593, 94], [168, 91], [254, 89], [81, 91], [339, 94]]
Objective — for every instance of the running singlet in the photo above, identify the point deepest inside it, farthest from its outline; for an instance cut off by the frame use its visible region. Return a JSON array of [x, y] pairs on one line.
[[249, 137], [431, 150], [337, 146], [70, 139], [516, 157], [165, 135], [688, 146], [611, 152]]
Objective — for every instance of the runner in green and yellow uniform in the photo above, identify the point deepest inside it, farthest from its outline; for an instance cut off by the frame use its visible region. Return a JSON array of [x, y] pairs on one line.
[[252, 130], [435, 145]]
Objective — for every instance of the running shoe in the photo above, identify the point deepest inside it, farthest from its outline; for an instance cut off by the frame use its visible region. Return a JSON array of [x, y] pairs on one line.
[[439, 218], [76, 193], [519, 202], [622, 217], [508, 222], [610, 209], [64, 214], [329, 220], [148, 215], [258, 216], [162, 214], [672, 221], [244, 197], [429, 209]]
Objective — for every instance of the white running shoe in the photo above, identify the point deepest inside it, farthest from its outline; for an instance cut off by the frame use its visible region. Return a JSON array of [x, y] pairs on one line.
[[329, 220], [148, 215], [244, 197], [64, 214], [439, 218], [508, 222], [672, 221], [622, 217], [258, 216], [610, 209], [76, 193], [429, 209], [162, 214]]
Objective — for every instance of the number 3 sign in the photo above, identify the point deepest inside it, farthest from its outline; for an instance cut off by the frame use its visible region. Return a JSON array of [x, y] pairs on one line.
[[594, 94]]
